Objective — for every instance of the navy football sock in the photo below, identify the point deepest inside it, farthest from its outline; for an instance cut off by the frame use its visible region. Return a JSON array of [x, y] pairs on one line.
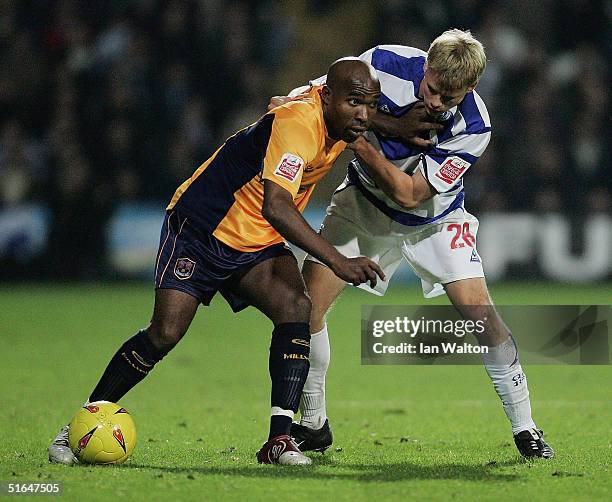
[[288, 366], [280, 425], [130, 364]]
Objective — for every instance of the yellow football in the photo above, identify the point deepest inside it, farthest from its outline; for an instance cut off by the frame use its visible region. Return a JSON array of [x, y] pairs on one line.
[[102, 433]]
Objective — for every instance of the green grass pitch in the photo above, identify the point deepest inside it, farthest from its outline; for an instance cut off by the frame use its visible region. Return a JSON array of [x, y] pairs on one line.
[[401, 432]]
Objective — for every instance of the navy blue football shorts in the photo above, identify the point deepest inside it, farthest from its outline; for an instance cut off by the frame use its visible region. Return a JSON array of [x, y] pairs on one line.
[[199, 264]]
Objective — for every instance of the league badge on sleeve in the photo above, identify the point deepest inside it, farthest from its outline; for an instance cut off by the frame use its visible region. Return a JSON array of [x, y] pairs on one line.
[[289, 167], [451, 169]]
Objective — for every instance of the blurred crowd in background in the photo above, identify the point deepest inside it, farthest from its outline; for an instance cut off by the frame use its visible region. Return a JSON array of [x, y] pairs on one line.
[[106, 102]]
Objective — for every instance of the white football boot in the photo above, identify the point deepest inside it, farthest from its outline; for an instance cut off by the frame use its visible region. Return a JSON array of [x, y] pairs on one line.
[[59, 449]]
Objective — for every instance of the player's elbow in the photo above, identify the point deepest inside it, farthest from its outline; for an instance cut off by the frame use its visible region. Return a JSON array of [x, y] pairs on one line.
[[271, 211], [267, 212], [276, 203], [412, 204], [412, 197], [405, 202]]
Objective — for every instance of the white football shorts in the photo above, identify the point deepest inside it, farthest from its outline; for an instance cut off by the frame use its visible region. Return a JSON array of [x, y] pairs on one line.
[[440, 252]]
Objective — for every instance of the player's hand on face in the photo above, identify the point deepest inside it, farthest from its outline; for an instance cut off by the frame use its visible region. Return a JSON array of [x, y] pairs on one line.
[[364, 150], [414, 124], [361, 146], [359, 270], [358, 144]]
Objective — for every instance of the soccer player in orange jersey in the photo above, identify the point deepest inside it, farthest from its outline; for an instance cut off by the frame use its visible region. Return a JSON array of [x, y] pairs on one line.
[[225, 231]]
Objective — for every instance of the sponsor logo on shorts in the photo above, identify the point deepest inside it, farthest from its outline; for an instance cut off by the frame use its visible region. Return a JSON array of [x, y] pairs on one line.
[[289, 166], [184, 267], [300, 341], [451, 169], [475, 256]]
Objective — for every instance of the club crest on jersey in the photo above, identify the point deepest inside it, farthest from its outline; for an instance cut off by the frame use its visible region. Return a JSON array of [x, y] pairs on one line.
[[289, 166], [184, 267], [451, 169]]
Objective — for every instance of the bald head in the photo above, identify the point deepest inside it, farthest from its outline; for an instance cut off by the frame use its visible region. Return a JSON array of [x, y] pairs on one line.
[[350, 97], [348, 72]]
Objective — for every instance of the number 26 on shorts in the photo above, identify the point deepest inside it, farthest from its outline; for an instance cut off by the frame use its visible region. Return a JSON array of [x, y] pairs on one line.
[[462, 232]]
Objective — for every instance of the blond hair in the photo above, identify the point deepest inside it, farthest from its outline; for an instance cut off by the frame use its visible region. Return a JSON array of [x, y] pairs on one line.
[[458, 59]]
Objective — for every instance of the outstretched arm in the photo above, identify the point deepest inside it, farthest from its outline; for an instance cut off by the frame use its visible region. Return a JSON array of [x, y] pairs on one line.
[[281, 213], [405, 190]]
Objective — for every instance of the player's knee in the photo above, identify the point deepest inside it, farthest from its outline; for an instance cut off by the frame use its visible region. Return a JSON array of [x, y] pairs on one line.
[[471, 299], [165, 335], [469, 292], [297, 307], [317, 318], [475, 312]]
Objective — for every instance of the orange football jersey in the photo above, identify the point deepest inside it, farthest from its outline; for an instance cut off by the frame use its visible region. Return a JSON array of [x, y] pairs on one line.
[[288, 145]]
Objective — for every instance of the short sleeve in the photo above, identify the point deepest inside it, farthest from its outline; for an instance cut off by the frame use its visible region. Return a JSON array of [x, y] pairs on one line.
[[444, 170], [292, 146]]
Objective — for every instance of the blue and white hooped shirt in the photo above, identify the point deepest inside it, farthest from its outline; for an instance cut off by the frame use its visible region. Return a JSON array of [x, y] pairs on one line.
[[456, 148]]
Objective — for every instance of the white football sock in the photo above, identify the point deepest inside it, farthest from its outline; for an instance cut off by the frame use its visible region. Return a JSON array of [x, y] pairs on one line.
[[277, 410], [503, 366], [312, 404]]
